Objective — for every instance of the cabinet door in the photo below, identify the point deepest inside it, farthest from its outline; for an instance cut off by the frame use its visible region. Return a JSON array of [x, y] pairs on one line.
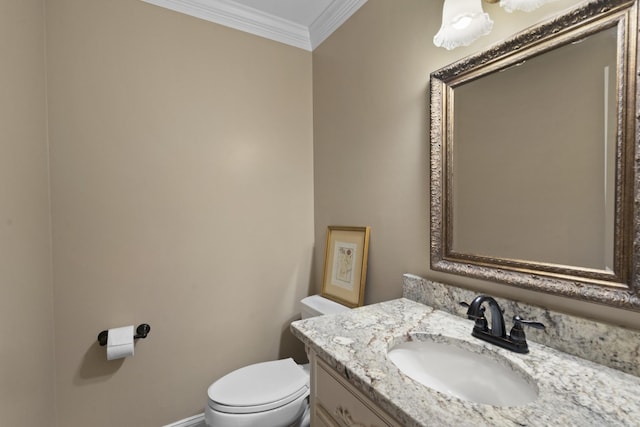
[[323, 418], [338, 404]]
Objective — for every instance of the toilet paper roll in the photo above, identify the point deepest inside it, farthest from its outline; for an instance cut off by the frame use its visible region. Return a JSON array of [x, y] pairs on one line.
[[120, 342]]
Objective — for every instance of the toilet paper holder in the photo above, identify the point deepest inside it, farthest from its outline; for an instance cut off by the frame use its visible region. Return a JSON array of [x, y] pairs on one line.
[[141, 332]]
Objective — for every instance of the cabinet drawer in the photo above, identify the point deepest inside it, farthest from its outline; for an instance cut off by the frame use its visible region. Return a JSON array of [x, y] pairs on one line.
[[339, 403]]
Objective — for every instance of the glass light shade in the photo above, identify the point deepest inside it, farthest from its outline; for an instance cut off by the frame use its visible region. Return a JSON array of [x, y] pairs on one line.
[[463, 21], [524, 5]]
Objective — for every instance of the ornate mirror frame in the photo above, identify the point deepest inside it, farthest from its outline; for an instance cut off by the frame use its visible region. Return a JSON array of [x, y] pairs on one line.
[[620, 288]]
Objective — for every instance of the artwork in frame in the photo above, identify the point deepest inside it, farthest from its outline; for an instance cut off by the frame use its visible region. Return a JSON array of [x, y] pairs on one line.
[[345, 264]]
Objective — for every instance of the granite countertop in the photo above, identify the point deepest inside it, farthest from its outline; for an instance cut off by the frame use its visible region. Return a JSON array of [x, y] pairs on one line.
[[572, 391]]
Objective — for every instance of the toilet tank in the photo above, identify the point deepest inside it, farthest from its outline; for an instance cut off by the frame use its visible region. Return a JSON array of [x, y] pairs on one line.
[[315, 305]]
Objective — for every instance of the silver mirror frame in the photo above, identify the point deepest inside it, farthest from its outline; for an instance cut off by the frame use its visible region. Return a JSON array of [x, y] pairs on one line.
[[622, 289]]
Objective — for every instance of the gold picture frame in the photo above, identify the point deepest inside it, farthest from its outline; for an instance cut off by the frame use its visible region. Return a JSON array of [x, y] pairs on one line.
[[345, 264]]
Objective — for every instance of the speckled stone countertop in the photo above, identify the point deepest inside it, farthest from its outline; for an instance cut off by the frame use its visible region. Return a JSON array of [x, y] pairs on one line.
[[572, 391]]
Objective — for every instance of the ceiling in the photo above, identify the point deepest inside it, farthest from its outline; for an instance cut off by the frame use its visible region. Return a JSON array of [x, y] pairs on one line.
[[300, 23]]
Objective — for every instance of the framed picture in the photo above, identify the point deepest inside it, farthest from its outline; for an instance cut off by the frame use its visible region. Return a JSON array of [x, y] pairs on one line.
[[345, 264]]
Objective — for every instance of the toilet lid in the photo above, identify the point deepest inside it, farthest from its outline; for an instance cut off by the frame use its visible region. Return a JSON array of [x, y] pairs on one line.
[[259, 387]]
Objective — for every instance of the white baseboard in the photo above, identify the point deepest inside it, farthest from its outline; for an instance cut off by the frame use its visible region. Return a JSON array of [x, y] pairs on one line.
[[195, 421]]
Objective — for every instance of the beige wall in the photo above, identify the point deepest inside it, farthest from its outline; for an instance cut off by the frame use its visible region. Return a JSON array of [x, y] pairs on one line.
[[183, 193], [182, 188], [371, 141], [26, 317]]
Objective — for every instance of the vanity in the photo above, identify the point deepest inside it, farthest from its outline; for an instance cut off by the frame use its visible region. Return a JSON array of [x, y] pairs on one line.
[[336, 402], [355, 383]]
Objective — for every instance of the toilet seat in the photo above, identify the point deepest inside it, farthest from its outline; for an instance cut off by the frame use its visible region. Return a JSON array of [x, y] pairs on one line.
[[259, 387]]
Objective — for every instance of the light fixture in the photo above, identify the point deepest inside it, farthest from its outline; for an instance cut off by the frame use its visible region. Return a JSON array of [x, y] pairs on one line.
[[524, 5], [464, 21]]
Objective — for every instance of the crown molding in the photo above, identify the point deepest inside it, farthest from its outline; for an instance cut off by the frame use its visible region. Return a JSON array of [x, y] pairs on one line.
[[331, 19], [244, 18]]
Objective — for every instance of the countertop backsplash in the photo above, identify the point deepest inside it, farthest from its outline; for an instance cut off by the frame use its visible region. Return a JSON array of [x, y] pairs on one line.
[[612, 346]]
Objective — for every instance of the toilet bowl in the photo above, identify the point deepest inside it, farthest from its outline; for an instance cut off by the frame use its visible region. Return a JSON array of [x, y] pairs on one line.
[[267, 394]]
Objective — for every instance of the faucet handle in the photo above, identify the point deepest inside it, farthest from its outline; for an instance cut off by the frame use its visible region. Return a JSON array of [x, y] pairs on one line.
[[517, 334], [519, 321], [473, 316], [481, 323]]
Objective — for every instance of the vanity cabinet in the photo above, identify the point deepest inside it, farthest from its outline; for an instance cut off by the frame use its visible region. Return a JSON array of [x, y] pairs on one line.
[[336, 403]]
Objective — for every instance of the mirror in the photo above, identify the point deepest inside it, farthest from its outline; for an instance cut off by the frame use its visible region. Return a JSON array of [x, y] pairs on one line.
[[533, 159]]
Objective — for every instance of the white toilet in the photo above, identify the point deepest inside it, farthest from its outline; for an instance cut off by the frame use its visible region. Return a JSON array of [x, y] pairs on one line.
[[267, 394]]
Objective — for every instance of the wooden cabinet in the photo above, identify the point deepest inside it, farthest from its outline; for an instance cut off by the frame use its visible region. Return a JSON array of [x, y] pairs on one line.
[[336, 403]]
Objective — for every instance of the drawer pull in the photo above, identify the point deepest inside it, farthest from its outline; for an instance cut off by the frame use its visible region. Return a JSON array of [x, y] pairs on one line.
[[345, 419]]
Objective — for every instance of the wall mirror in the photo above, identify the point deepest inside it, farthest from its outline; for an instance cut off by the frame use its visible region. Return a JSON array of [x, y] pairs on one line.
[[534, 167]]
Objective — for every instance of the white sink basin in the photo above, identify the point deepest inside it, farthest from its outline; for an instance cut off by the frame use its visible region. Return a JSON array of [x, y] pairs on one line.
[[457, 368]]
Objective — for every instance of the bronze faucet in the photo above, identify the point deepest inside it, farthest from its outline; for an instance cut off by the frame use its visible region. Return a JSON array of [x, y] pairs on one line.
[[515, 341]]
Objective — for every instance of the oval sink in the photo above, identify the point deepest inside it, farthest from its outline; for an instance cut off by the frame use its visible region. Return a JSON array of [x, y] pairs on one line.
[[452, 368]]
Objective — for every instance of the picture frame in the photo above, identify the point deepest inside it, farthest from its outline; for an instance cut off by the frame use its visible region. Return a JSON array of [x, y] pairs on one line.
[[345, 264]]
